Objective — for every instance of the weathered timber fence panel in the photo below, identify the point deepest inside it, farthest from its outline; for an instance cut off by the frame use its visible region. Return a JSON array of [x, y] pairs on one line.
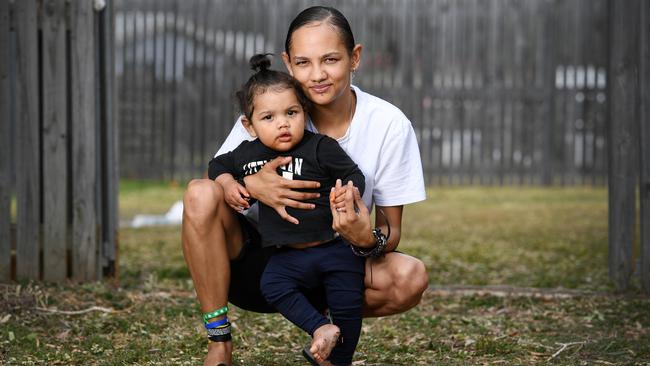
[[644, 144], [623, 133], [84, 178], [55, 141], [28, 180], [5, 144], [499, 91], [58, 172]]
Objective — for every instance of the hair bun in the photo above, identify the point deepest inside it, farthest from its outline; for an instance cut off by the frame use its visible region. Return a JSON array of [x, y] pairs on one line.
[[260, 62]]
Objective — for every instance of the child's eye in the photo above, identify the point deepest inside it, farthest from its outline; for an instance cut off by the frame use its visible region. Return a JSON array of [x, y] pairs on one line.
[[267, 117], [291, 112]]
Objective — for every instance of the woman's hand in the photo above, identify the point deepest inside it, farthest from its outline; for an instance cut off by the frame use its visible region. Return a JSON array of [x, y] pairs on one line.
[[353, 225], [279, 193]]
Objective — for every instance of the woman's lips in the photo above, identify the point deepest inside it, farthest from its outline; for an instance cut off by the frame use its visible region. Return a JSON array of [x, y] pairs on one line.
[[320, 89]]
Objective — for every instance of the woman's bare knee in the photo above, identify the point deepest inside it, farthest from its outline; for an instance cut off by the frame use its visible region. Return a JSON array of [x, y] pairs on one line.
[[201, 199], [410, 280], [415, 275]]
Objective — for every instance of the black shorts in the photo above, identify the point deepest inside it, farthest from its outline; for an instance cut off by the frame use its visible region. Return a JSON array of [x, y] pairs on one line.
[[246, 271]]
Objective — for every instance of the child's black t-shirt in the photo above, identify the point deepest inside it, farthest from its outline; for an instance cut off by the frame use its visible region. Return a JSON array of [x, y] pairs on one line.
[[316, 158]]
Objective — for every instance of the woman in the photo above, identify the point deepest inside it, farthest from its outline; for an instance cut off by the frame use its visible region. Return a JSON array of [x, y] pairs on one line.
[[222, 250]]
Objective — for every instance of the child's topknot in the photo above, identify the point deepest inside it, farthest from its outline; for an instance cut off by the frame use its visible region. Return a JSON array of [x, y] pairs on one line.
[[263, 79], [260, 62]]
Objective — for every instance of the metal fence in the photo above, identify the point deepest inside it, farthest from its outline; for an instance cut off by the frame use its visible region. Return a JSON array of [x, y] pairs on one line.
[[499, 91], [58, 168]]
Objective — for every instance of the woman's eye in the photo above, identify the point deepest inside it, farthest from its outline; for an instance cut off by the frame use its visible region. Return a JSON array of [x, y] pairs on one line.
[[301, 63], [330, 60]]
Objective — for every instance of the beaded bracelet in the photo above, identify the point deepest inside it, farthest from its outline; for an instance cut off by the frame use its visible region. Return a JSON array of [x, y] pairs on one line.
[[377, 250], [214, 314], [220, 334], [381, 241]]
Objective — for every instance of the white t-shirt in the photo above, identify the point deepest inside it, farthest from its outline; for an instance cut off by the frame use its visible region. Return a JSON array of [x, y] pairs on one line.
[[382, 142]]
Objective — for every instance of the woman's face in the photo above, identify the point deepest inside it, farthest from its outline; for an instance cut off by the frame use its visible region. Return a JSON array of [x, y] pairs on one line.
[[319, 61]]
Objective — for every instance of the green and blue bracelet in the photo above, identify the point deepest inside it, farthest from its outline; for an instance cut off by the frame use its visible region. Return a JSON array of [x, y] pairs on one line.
[[214, 314]]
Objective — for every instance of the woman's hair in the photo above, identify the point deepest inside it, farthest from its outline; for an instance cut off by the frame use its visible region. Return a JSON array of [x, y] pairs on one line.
[[264, 79], [319, 14]]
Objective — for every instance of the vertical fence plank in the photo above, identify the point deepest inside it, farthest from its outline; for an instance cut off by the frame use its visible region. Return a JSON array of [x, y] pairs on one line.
[[155, 119], [84, 220], [5, 146], [644, 136], [27, 128], [623, 164], [55, 141], [548, 113], [162, 84], [143, 89], [437, 82], [174, 92], [491, 67], [108, 135]]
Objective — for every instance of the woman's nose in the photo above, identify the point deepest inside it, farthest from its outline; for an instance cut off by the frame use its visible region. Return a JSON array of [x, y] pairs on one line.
[[318, 73]]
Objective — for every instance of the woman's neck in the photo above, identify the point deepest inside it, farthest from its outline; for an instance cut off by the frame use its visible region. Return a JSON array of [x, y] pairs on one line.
[[334, 119]]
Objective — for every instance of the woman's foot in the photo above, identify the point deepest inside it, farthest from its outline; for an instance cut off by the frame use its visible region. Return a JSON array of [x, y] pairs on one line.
[[219, 353], [323, 342]]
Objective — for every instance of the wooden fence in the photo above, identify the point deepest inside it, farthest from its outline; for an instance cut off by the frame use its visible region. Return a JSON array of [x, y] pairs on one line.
[[499, 91], [629, 132], [58, 168]]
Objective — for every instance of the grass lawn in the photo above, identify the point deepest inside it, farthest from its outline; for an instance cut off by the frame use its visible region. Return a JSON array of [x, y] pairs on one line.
[[520, 237]]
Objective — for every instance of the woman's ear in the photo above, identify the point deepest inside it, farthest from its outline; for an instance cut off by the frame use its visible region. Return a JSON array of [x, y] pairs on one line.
[[287, 62], [248, 126], [356, 56]]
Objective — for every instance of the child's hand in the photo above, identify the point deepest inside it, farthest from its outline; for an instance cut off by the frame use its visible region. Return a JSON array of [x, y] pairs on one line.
[[236, 196], [337, 195]]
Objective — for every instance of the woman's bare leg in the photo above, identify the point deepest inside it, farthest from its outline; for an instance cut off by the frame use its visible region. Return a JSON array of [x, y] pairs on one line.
[[211, 236], [394, 284]]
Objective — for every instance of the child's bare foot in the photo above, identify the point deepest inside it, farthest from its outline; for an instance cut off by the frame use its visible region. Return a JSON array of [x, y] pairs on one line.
[[324, 340], [219, 353]]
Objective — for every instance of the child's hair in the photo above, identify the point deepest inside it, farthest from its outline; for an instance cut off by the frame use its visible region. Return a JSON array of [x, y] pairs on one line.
[[263, 79]]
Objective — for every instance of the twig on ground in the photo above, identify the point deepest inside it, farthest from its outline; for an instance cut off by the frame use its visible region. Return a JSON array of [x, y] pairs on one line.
[[76, 312], [565, 346]]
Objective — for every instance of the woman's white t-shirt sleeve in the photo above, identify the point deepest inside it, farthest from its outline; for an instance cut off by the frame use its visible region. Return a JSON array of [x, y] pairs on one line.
[[398, 177], [237, 135]]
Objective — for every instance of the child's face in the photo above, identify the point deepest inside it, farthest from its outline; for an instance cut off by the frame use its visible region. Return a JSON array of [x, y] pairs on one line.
[[278, 119]]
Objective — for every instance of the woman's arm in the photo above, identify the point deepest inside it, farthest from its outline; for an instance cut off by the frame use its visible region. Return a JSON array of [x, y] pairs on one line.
[[394, 216], [279, 193], [354, 225]]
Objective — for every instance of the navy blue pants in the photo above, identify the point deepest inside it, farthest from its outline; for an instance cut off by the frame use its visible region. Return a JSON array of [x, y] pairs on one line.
[[291, 273]]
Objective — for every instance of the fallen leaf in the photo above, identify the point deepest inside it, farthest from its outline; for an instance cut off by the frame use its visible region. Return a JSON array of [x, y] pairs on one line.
[[63, 335]]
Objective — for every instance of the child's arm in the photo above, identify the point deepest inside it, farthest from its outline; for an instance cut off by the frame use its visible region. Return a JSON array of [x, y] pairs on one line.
[[333, 159], [222, 170]]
